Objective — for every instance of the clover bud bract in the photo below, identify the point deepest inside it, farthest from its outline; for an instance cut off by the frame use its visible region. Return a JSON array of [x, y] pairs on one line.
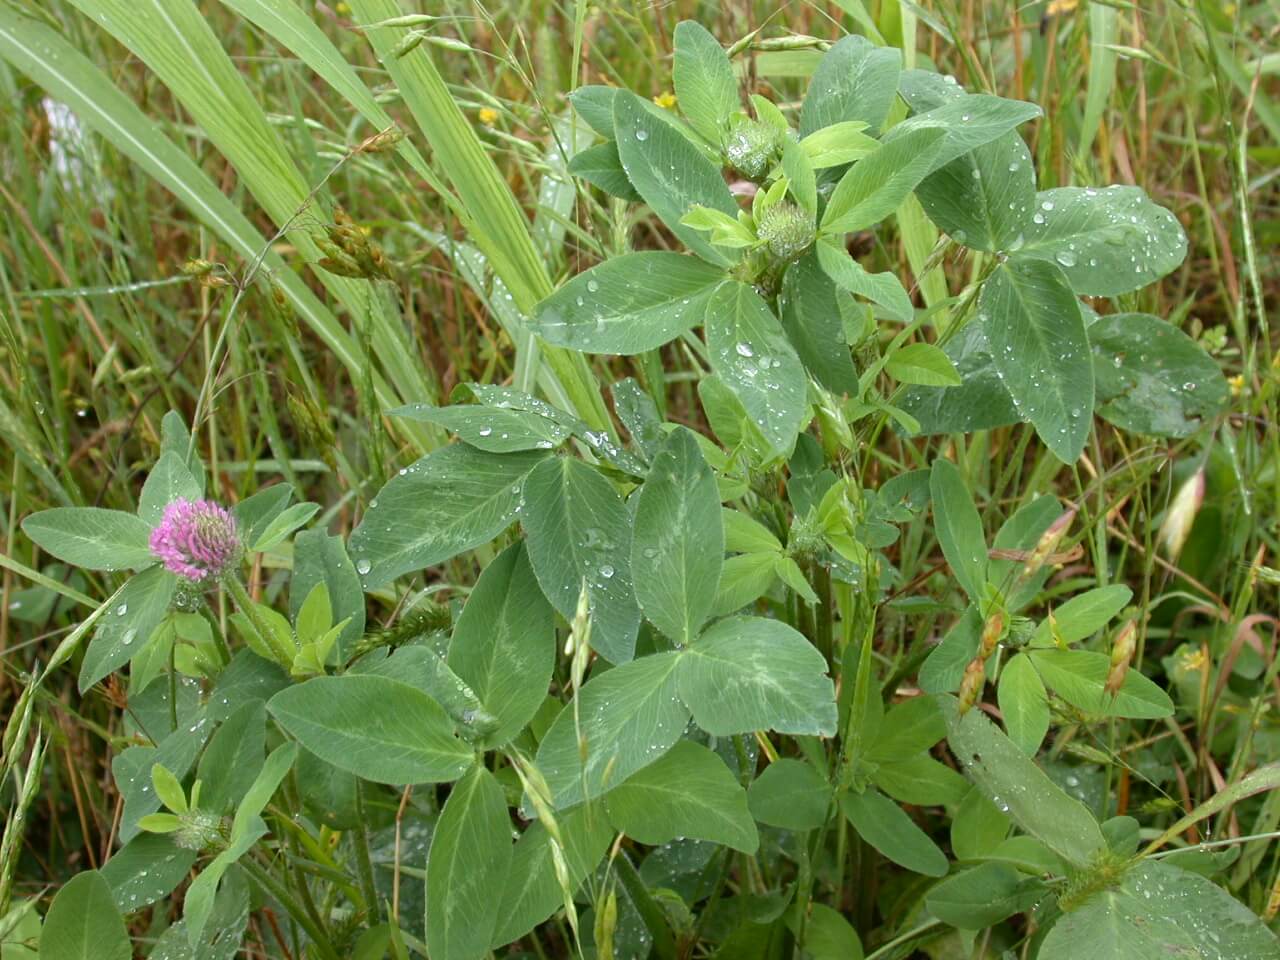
[[197, 830], [751, 147], [787, 229]]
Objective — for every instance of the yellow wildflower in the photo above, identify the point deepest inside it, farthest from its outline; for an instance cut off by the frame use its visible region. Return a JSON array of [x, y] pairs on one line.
[[1192, 660], [488, 116], [1237, 384], [666, 100], [342, 9]]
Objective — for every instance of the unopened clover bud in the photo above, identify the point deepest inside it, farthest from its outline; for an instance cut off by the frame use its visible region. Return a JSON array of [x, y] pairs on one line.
[[197, 540], [992, 631], [975, 675], [197, 830], [787, 229], [751, 147], [1182, 514], [1122, 648], [1048, 543]]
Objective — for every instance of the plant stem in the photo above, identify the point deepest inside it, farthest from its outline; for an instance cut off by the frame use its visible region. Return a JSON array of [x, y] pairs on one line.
[[888, 948], [364, 861], [295, 910], [263, 633], [664, 944]]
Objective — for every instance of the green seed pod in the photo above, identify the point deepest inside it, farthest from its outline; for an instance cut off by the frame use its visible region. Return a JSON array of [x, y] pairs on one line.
[[408, 43], [992, 631], [1122, 648], [971, 684], [787, 229], [606, 924], [751, 147]]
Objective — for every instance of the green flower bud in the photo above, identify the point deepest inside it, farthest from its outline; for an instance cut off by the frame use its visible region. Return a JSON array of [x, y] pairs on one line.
[[787, 229], [751, 147], [197, 830]]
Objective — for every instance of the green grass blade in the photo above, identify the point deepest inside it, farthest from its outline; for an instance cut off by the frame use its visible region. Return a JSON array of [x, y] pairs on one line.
[[1103, 31], [287, 24], [175, 40], [66, 74], [498, 226]]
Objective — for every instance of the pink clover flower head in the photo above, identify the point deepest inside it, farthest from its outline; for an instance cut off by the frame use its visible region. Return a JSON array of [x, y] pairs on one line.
[[196, 539]]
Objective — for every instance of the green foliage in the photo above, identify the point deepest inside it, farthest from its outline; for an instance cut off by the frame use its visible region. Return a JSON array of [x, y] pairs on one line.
[[470, 857], [503, 644], [1157, 909], [689, 792], [375, 727], [83, 923], [676, 551], [672, 676], [578, 532], [1040, 350], [449, 501]]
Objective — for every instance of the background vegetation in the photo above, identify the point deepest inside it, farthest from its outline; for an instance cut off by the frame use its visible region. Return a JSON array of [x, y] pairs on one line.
[[117, 305]]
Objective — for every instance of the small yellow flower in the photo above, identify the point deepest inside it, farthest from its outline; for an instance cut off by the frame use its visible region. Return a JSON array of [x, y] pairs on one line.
[[1237, 384], [488, 116], [1192, 660], [666, 100], [342, 9]]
